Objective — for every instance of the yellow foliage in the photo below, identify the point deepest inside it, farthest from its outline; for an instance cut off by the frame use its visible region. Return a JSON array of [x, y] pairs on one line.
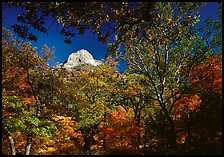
[[133, 90]]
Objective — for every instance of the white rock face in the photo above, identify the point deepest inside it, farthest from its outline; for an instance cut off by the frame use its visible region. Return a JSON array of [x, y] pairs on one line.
[[81, 57]]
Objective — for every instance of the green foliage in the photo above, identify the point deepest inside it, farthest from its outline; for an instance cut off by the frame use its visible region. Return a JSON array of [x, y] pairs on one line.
[[26, 89]]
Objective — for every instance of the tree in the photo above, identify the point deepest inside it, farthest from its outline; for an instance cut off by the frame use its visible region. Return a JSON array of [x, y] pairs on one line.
[[206, 123], [166, 54], [104, 18], [86, 96], [21, 108], [134, 94]]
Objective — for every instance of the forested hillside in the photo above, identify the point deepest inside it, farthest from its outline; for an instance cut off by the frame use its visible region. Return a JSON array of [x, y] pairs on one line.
[[169, 101]]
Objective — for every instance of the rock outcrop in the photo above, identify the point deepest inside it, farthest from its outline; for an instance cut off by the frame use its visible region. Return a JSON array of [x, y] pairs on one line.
[[81, 60], [81, 57]]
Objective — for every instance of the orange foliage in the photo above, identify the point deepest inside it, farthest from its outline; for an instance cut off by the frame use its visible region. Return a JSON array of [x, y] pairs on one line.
[[15, 82], [187, 103], [208, 76], [121, 130], [183, 108]]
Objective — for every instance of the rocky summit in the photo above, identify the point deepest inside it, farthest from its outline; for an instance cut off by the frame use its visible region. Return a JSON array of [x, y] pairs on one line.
[[81, 57]]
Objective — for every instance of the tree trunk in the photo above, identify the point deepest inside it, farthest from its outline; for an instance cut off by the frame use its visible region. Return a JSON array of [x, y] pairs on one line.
[[172, 134], [28, 149], [104, 135], [12, 145], [28, 145], [86, 146], [138, 125], [87, 150]]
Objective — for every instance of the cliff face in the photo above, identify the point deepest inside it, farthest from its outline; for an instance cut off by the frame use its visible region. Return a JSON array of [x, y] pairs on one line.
[[79, 58]]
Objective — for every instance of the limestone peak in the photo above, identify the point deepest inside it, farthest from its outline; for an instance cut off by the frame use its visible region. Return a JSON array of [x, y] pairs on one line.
[[79, 58]]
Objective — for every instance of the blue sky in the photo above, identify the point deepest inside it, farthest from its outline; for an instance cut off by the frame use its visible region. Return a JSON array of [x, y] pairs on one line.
[[86, 41]]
